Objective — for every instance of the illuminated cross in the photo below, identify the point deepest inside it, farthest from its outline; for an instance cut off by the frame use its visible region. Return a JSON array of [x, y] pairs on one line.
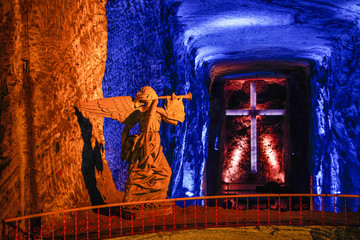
[[253, 113]]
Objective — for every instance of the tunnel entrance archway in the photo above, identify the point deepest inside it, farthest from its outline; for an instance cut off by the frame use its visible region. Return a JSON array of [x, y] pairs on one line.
[[254, 147], [230, 160]]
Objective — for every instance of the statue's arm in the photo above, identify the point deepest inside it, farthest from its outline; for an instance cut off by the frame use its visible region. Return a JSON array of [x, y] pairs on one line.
[[152, 112], [130, 122], [124, 135], [163, 115], [172, 122]]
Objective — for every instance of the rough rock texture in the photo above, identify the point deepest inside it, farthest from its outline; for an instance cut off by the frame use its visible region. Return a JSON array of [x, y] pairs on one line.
[[135, 59], [53, 56], [142, 50], [321, 34], [258, 232], [336, 120], [190, 146]]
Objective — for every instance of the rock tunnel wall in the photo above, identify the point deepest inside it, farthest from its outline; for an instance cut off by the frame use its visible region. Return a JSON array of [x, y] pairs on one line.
[[135, 59], [190, 152], [56, 55], [52, 57], [145, 49], [336, 122]]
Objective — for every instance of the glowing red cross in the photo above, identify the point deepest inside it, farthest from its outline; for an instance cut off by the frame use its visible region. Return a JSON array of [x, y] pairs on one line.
[[253, 113]]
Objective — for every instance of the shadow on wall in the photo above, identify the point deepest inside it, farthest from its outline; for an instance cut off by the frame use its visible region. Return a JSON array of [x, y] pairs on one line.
[[91, 159]]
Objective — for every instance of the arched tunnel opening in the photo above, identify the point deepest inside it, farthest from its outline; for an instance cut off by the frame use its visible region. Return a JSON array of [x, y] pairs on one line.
[[259, 128]]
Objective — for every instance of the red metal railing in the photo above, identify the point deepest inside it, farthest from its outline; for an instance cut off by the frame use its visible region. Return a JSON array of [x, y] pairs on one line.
[[123, 219]]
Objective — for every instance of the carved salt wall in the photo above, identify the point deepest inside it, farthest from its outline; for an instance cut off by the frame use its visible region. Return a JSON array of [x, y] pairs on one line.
[[53, 57], [336, 121], [135, 58], [144, 48], [191, 138], [322, 35]]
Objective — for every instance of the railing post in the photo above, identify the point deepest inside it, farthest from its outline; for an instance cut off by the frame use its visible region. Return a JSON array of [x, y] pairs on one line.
[[41, 227], [76, 224], [345, 213], [185, 214], [205, 213], [29, 229], [64, 226], [237, 211], [109, 221], [290, 210], [87, 224], [153, 217], [334, 218], [268, 210], [4, 229], [247, 210], [17, 229], [98, 222], [216, 212], [279, 209], [132, 218], [142, 218], [258, 210], [323, 211], [357, 211], [52, 227], [301, 210], [164, 215], [174, 215], [226, 211], [311, 209], [194, 213], [121, 220]]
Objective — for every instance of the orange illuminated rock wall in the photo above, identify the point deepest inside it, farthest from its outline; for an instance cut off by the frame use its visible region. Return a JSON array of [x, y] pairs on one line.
[[52, 56]]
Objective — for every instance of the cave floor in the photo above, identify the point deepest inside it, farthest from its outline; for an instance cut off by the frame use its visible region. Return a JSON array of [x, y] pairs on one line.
[[256, 232]]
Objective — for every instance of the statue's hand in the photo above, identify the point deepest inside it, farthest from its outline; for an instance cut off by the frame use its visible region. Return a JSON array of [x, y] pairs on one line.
[[127, 147], [154, 97]]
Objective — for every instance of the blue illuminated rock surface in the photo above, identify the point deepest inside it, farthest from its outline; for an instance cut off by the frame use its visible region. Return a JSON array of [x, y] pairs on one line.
[[135, 59], [335, 101], [171, 46], [140, 54]]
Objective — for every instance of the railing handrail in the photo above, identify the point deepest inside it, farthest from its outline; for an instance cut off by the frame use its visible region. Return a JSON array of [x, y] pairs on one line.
[[178, 199]]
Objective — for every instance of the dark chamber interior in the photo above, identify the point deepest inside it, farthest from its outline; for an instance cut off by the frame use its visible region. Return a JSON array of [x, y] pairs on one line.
[[283, 150]]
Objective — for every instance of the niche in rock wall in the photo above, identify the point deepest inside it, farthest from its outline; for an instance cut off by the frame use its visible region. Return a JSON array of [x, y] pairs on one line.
[[254, 147], [259, 135]]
